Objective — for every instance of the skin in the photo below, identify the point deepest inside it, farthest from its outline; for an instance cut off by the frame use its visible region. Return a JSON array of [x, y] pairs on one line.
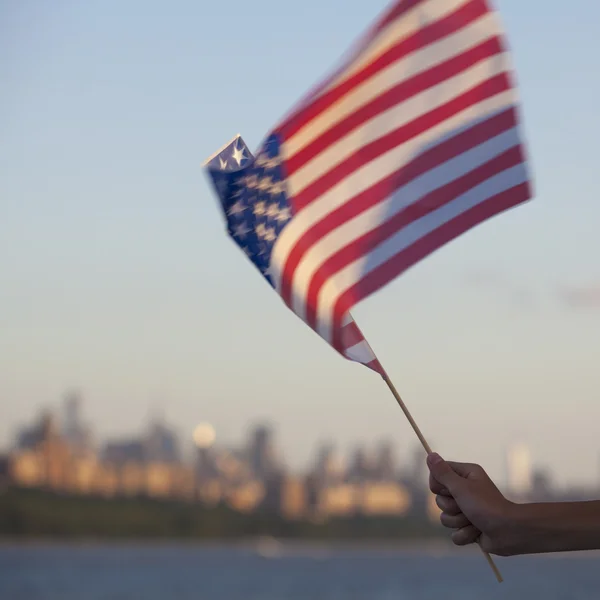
[[476, 510]]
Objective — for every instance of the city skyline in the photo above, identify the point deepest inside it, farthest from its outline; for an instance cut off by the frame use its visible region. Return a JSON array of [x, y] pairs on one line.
[[157, 439]]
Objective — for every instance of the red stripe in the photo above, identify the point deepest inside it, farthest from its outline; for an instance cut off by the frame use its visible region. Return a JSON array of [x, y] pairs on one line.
[[428, 203], [398, 10], [422, 248], [359, 47], [399, 93], [421, 38], [351, 335], [375, 365], [491, 87], [430, 159]]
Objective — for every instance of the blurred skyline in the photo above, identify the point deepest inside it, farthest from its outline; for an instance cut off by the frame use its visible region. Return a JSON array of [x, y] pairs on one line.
[[118, 279]]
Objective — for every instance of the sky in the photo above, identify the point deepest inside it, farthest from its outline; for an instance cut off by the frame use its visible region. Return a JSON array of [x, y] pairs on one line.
[[117, 279]]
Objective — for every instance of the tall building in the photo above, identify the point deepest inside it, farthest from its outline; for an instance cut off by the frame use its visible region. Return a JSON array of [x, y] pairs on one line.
[[416, 475], [385, 467], [328, 466], [360, 465], [261, 452], [518, 468], [77, 435], [121, 452], [161, 444]]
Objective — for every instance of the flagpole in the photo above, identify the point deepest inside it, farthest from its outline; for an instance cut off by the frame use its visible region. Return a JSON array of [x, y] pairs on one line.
[[427, 447]]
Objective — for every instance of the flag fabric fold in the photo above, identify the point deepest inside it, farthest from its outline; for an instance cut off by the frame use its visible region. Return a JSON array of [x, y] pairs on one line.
[[414, 140]]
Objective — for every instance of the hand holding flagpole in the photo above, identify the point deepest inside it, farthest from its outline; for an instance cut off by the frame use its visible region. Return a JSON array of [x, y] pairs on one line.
[[428, 449], [415, 428]]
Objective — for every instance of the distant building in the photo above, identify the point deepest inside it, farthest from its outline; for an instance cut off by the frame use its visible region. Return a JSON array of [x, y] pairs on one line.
[[294, 500], [158, 445], [43, 457], [328, 468], [384, 499], [360, 467], [75, 432], [161, 444], [285, 495], [541, 486], [337, 501], [121, 452], [518, 467], [206, 465], [417, 474], [385, 467], [261, 452], [247, 497], [369, 498], [4, 470]]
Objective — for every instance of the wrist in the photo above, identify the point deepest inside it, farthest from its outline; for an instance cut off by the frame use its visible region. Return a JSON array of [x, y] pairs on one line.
[[509, 536]]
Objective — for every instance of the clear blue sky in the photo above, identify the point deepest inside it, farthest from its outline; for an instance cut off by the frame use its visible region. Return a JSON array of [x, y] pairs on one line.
[[117, 277]]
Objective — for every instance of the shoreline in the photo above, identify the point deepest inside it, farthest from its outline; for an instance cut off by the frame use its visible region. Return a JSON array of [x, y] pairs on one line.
[[272, 548]]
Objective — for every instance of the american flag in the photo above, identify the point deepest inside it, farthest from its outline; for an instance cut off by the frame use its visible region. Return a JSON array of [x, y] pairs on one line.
[[413, 141]]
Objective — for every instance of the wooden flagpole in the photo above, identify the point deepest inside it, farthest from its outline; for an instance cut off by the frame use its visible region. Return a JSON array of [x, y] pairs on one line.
[[427, 447]]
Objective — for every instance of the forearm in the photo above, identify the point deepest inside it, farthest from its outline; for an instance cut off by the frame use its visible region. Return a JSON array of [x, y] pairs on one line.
[[555, 527]]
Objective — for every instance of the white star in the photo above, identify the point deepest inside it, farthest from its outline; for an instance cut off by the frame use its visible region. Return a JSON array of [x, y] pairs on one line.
[[284, 215], [274, 162], [273, 210], [270, 234], [251, 181], [259, 209], [261, 160], [223, 163], [277, 188], [247, 251], [237, 208], [265, 183], [241, 231], [238, 155], [260, 230]]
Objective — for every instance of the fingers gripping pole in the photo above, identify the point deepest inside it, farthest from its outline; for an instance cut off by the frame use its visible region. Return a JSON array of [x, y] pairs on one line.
[[427, 447]]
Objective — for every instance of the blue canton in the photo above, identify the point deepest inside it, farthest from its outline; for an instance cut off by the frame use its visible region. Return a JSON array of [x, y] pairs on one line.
[[253, 196]]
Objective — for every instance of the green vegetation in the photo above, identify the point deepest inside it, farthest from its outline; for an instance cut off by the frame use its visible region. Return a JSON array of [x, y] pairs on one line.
[[34, 513]]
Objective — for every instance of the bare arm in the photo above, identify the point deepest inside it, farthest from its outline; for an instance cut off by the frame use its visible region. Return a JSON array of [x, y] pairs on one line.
[[477, 511], [558, 526]]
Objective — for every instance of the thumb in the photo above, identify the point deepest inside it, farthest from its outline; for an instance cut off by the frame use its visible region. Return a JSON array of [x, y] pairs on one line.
[[442, 472]]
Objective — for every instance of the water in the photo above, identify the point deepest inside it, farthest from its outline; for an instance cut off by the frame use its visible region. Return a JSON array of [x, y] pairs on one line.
[[182, 572]]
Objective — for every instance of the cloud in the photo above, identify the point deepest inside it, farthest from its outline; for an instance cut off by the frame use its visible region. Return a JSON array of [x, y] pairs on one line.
[[581, 297]]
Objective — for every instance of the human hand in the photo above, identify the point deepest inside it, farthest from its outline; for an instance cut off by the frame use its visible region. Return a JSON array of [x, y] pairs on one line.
[[472, 505]]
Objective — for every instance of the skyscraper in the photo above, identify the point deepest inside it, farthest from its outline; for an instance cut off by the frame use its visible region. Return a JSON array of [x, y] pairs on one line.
[[385, 468], [261, 453], [518, 468], [76, 433]]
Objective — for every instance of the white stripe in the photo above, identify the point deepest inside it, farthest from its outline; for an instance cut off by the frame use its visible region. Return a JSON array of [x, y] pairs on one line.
[[347, 277], [375, 171], [387, 209], [394, 118], [360, 352], [402, 27], [401, 70], [347, 319]]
